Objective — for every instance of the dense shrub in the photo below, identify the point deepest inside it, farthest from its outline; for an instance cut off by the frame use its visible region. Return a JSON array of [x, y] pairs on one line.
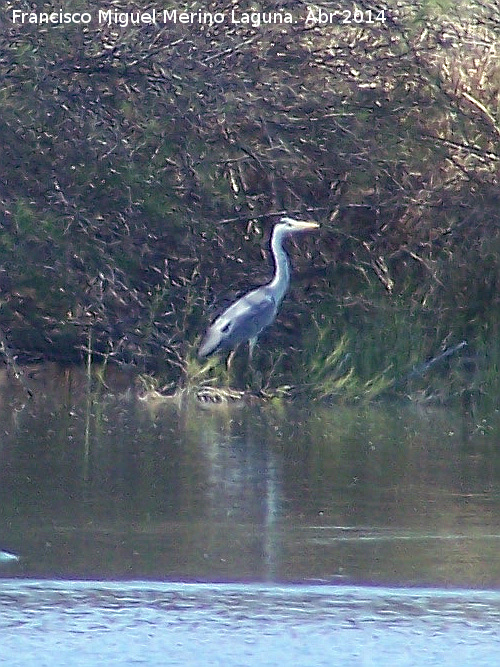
[[143, 167]]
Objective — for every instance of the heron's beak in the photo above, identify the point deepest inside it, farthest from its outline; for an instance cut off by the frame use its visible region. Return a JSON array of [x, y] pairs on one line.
[[306, 224]]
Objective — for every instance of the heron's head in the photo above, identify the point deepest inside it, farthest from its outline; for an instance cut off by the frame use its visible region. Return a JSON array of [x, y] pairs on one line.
[[290, 225]]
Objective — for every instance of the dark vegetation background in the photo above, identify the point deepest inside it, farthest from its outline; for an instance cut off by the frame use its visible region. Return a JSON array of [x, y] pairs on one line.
[[142, 169]]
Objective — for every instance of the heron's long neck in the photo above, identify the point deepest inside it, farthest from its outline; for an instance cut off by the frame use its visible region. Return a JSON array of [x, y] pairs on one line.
[[281, 278]]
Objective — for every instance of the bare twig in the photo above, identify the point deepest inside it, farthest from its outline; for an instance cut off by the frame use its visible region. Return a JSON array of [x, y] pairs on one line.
[[11, 362]]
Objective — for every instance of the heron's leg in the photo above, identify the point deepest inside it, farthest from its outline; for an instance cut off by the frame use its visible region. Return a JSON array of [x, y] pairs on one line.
[[255, 375], [230, 360], [251, 346]]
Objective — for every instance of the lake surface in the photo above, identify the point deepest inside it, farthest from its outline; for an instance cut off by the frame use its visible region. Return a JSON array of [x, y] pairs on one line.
[[89, 623], [304, 534]]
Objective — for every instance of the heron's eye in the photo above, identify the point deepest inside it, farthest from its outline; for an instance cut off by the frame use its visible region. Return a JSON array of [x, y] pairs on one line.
[[226, 327]]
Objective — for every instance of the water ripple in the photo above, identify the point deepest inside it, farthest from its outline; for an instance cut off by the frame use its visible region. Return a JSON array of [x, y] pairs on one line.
[[83, 623]]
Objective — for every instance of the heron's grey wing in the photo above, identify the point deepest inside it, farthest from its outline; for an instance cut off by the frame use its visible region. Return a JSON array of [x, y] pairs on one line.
[[242, 321]]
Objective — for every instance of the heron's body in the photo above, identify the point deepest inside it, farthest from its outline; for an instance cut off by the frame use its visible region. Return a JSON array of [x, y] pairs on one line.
[[245, 319], [241, 322]]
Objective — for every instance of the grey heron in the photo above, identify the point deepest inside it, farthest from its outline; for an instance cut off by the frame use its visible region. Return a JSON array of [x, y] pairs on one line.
[[246, 318]]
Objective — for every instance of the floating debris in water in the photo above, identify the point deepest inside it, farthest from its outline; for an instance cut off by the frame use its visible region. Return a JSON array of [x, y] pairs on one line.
[[210, 397]]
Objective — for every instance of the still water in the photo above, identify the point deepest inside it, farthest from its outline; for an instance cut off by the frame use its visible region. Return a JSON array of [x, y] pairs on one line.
[[301, 534]]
